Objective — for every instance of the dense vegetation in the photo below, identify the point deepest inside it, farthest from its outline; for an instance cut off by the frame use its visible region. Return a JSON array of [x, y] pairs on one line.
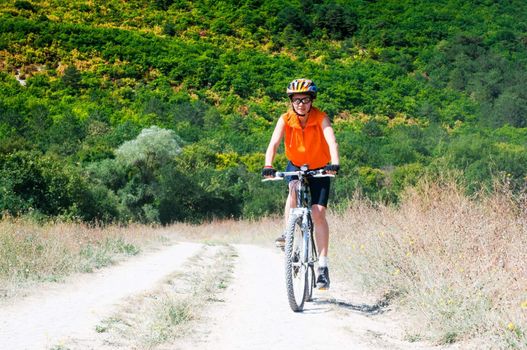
[[160, 110]]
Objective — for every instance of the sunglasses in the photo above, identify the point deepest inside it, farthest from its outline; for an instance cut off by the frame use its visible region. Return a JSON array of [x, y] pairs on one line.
[[305, 100]]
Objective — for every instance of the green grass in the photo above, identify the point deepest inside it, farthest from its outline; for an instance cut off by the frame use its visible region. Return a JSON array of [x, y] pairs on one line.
[[101, 254]]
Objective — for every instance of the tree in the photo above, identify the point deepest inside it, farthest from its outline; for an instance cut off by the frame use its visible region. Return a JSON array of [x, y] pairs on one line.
[[71, 77], [148, 157], [152, 148], [339, 21], [511, 108]]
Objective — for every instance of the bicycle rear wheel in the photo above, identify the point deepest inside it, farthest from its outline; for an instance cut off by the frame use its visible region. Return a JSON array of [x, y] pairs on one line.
[[296, 267]]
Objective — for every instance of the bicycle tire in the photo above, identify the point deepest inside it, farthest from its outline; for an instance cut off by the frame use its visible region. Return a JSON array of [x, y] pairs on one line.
[[296, 268], [311, 281], [311, 258]]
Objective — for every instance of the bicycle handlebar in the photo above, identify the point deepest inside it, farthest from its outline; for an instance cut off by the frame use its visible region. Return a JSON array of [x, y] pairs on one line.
[[280, 175]]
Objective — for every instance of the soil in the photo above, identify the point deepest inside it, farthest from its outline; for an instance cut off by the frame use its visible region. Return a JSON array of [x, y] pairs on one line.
[[253, 312]]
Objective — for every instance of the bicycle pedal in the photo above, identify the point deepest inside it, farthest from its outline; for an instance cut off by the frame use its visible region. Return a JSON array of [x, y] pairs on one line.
[[322, 288]]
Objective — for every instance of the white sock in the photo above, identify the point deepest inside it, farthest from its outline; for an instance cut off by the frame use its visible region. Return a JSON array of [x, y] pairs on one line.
[[323, 261]]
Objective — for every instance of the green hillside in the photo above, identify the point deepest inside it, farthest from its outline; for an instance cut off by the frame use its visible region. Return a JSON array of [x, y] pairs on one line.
[[160, 111]]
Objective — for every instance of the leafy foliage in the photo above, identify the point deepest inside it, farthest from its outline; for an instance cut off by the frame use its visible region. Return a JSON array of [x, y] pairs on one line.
[[160, 111]]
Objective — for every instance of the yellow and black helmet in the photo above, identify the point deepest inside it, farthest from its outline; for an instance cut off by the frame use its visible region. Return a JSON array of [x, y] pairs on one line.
[[302, 86]]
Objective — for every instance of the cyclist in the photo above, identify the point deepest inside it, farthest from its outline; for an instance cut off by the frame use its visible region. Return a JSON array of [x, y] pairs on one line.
[[310, 140]]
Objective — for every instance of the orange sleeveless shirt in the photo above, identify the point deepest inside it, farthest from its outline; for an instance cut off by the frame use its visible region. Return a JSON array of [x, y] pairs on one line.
[[307, 146]]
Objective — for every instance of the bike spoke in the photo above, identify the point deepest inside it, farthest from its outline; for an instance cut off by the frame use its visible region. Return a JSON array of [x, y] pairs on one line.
[[296, 267]]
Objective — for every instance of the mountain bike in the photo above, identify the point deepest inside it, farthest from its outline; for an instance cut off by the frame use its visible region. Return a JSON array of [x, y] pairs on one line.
[[300, 247]]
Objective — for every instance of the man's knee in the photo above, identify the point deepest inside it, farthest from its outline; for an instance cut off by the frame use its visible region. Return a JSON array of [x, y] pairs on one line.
[[292, 186], [318, 212]]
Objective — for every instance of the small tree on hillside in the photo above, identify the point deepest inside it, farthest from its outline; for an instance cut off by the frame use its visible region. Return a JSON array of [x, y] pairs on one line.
[[152, 148], [72, 77], [148, 157]]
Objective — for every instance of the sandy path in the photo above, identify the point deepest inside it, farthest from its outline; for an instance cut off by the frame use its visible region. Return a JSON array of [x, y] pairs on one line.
[[256, 315], [50, 317]]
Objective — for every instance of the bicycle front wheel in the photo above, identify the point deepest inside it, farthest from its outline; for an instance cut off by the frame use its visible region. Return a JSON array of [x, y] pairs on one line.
[[296, 267], [311, 258]]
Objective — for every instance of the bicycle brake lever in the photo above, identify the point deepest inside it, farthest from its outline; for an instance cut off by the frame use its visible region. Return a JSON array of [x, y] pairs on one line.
[[324, 175], [276, 178]]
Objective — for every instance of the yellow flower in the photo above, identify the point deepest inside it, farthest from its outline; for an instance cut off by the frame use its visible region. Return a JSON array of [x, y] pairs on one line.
[[511, 326], [524, 304]]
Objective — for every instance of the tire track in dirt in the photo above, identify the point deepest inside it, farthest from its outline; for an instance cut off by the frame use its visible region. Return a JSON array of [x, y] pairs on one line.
[[251, 314], [255, 315]]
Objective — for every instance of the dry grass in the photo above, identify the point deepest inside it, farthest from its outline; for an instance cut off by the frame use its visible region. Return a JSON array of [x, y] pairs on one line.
[[34, 253], [31, 252], [261, 232], [458, 264], [175, 308]]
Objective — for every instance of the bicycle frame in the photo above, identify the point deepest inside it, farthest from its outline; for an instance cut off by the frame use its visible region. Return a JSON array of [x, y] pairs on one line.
[[301, 252], [303, 210], [309, 251]]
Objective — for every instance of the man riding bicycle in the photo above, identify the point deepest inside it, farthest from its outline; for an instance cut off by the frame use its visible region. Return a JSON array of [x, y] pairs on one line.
[[309, 140]]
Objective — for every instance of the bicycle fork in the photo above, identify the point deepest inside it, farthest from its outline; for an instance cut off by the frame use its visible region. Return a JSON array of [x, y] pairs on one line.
[[309, 252], [307, 235]]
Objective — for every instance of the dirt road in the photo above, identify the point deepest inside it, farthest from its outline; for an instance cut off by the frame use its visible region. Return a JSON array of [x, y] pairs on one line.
[[62, 312], [254, 314]]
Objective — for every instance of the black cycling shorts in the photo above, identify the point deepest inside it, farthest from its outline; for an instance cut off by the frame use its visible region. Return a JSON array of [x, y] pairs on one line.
[[318, 186]]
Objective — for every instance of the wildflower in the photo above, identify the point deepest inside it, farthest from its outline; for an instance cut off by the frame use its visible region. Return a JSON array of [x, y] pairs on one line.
[[524, 304], [396, 272], [362, 247], [511, 326]]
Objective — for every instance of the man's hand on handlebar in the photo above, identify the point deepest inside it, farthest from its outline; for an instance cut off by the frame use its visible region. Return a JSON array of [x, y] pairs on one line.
[[268, 171], [332, 169]]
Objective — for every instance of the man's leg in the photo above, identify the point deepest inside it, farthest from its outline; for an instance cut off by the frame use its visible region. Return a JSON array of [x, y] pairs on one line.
[[291, 200], [322, 238], [289, 203], [321, 229]]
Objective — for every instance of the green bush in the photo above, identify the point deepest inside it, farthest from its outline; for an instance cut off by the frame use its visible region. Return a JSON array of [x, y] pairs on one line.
[[32, 182]]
